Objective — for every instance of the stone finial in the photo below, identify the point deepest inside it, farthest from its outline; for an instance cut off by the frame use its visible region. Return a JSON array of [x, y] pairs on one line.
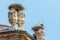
[[16, 15], [39, 33], [12, 17]]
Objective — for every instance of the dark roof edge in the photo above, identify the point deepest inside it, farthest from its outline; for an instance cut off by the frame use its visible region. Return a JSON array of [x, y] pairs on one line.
[[4, 25], [18, 31]]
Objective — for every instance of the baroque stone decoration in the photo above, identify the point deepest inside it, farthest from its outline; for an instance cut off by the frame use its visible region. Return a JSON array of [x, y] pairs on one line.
[[17, 16]]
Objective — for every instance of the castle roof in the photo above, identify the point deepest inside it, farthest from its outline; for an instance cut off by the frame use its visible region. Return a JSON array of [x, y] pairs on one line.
[[8, 31]]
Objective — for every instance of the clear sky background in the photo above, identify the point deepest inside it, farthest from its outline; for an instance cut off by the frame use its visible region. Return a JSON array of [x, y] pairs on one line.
[[36, 11]]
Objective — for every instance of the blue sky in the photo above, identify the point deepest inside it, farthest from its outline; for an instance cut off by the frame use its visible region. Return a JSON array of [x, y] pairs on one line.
[[36, 11]]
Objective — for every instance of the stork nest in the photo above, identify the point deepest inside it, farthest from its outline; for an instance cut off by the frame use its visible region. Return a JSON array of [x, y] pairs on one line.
[[16, 7]]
